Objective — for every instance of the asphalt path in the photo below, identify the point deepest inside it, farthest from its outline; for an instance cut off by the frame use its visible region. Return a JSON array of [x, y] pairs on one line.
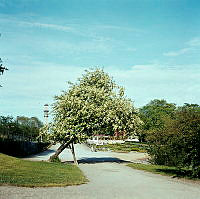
[[109, 177]]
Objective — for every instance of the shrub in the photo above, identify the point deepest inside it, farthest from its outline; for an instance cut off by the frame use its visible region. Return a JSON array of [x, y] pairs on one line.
[[177, 144]]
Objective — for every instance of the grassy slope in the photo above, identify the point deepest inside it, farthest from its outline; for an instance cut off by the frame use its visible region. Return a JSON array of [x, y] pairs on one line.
[[19, 172]]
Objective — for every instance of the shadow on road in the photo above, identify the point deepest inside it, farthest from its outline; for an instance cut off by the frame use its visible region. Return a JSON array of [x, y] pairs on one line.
[[94, 160]]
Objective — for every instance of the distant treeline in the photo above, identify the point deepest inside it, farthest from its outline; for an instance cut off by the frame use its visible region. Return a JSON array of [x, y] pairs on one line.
[[19, 148], [21, 128], [19, 137]]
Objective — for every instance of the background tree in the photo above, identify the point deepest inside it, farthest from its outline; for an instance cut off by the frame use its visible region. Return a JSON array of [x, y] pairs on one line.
[[30, 125], [93, 105], [31, 122], [154, 115], [178, 143], [22, 128]]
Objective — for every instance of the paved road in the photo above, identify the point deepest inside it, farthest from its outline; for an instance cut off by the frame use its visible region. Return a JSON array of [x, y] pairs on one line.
[[84, 154], [108, 179]]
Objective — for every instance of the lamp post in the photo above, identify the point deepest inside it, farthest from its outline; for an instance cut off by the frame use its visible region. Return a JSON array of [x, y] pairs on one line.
[[46, 113]]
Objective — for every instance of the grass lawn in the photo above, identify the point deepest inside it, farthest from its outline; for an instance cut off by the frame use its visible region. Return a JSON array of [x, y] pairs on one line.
[[163, 170], [124, 148], [14, 171]]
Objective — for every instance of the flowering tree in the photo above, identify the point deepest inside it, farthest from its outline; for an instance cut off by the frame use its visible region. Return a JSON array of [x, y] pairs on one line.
[[95, 104]]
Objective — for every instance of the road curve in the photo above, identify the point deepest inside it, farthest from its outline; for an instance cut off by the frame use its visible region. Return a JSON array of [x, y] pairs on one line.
[[109, 178]]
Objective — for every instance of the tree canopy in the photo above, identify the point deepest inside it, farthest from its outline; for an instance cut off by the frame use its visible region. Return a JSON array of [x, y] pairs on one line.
[[154, 115], [22, 128], [95, 104], [177, 142], [31, 122]]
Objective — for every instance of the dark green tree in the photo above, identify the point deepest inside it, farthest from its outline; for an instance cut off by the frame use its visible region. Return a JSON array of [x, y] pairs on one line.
[[21, 128], [154, 115], [178, 143]]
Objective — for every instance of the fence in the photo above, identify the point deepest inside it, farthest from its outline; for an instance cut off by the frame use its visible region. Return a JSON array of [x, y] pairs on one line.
[[19, 148]]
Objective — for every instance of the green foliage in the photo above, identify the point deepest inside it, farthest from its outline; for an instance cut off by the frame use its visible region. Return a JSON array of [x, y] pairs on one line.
[[154, 115], [31, 122], [19, 172], [178, 142], [23, 128], [163, 170], [93, 105]]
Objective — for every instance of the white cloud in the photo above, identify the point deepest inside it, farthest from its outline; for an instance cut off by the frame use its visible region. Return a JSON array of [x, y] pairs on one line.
[[27, 88], [192, 45], [131, 49], [176, 83], [83, 39], [194, 42], [13, 21], [49, 26], [123, 28], [91, 43], [177, 53], [83, 47]]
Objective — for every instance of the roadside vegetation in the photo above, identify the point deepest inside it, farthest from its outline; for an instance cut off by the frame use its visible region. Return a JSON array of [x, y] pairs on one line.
[[124, 147], [172, 134], [164, 170], [22, 128], [18, 172], [95, 104], [20, 137]]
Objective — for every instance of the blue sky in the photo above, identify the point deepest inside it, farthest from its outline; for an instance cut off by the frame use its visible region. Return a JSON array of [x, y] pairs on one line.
[[151, 47]]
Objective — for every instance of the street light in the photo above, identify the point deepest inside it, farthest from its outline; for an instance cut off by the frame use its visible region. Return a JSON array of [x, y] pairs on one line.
[[46, 113]]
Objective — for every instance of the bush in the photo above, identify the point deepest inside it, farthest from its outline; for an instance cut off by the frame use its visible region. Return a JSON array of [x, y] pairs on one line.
[[177, 144]]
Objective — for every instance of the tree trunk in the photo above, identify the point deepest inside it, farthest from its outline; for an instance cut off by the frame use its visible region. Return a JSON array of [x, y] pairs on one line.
[[73, 153], [60, 149]]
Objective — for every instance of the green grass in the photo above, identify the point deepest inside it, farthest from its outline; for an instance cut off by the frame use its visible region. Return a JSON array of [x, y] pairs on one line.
[[163, 170], [14, 171], [124, 148]]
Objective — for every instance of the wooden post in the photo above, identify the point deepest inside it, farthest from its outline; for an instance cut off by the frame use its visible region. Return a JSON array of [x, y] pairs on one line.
[[73, 153]]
